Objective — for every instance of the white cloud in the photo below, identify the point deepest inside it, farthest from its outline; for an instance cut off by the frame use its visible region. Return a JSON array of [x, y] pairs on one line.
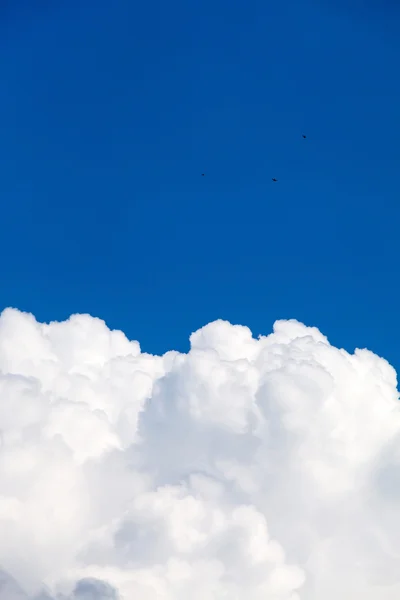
[[262, 469]]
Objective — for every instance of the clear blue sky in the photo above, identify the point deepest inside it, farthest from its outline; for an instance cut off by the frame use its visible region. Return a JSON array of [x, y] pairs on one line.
[[110, 112]]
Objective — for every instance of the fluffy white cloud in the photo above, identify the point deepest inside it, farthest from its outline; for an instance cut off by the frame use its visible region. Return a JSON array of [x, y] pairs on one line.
[[248, 468]]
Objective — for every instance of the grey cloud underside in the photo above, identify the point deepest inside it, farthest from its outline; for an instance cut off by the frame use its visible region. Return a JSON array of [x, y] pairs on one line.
[[85, 589], [248, 468]]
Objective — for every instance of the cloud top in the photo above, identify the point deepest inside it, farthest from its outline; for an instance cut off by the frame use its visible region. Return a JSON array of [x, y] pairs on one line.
[[247, 468]]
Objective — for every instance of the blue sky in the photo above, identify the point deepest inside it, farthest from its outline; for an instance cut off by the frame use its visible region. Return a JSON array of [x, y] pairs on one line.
[[110, 112]]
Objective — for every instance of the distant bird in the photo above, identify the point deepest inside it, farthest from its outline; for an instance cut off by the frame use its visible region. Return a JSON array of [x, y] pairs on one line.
[[304, 136], [273, 179], [202, 174]]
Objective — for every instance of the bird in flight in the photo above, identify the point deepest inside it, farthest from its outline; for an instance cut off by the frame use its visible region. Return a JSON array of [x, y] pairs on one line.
[[202, 174], [304, 136], [273, 179]]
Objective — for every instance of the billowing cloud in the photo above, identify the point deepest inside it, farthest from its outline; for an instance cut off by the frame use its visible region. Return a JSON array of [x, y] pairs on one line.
[[248, 468]]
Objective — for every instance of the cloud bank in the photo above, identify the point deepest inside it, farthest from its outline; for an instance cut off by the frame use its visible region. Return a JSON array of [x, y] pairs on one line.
[[262, 469]]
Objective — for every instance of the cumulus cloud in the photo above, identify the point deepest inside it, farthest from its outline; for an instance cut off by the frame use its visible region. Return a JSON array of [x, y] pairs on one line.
[[261, 468]]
